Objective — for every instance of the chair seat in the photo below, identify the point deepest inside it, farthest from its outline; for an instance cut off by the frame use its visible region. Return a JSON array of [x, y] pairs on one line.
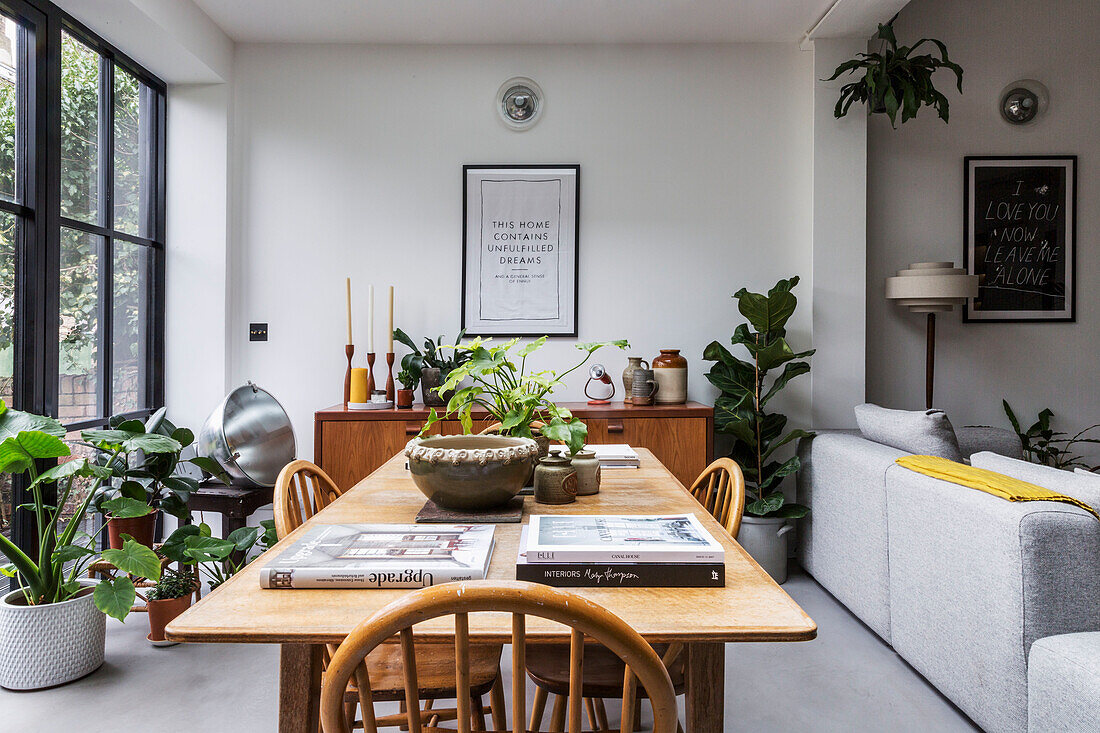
[[548, 667], [435, 671]]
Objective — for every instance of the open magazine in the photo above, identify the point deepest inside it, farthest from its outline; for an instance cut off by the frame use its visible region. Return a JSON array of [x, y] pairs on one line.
[[601, 538]]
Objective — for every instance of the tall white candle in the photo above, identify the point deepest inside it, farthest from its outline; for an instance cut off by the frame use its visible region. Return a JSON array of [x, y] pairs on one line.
[[349, 309], [389, 331], [370, 320]]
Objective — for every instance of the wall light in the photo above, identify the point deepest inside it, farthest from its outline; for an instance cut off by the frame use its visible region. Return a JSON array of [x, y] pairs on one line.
[[520, 102]]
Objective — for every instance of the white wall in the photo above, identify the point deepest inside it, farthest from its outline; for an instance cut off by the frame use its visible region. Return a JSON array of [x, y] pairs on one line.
[[915, 212], [695, 180]]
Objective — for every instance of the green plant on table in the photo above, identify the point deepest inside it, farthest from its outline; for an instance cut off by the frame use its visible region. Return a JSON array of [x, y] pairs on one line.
[[512, 395], [896, 78], [172, 584], [741, 411], [408, 379], [220, 559], [436, 355], [64, 550], [1043, 444]]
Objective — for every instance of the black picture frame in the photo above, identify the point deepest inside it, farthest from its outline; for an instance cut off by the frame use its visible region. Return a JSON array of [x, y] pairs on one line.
[[973, 163], [480, 330]]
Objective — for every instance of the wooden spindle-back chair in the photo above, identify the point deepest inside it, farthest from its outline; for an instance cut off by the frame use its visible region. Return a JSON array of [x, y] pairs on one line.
[[521, 600], [301, 491], [720, 488]]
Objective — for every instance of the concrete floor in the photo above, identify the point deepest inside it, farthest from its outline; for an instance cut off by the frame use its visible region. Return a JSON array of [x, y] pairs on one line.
[[846, 680]]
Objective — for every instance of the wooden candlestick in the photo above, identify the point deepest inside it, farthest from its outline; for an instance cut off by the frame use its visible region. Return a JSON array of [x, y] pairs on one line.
[[370, 374], [389, 377], [349, 349]]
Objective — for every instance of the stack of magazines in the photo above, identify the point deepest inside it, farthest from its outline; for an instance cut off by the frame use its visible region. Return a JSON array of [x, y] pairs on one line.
[[617, 455], [630, 551]]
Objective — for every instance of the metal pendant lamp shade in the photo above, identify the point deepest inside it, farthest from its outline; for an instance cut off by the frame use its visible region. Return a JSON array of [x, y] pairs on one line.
[[931, 287]]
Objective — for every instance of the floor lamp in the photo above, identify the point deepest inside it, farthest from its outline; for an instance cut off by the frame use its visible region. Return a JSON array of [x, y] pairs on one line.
[[931, 287]]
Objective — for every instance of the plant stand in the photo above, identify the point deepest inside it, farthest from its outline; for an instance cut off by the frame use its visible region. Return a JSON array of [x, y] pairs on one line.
[[234, 503]]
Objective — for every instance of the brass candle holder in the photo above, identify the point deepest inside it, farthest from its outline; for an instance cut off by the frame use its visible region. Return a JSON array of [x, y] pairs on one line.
[[390, 394], [349, 350]]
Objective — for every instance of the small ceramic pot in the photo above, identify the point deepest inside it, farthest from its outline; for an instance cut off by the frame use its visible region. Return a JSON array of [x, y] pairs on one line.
[[632, 363], [555, 481], [588, 472], [671, 372], [142, 529], [644, 387], [404, 399], [163, 612], [430, 378], [470, 471]]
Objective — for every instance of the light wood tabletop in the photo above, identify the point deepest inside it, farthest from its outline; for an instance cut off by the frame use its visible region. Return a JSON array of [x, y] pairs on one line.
[[751, 607]]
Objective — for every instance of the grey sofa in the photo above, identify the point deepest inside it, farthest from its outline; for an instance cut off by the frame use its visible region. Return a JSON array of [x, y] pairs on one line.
[[1063, 677], [959, 582]]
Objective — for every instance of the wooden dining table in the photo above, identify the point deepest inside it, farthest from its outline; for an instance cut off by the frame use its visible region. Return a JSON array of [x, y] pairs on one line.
[[750, 608]]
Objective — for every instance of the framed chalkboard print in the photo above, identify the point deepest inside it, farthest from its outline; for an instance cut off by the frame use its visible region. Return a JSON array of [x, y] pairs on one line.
[[519, 249], [1020, 238]]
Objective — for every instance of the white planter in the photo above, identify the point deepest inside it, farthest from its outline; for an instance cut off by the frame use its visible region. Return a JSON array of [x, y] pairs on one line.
[[765, 538], [43, 646]]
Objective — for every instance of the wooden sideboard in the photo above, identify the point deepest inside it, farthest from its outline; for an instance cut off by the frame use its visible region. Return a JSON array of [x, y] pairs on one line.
[[350, 444]]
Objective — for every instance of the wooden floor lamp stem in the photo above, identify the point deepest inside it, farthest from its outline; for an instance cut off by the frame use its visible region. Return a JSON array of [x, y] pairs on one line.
[[930, 362]]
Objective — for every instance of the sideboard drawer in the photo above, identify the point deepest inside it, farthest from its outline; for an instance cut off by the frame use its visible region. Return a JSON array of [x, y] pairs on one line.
[[353, 450], [679, 443]]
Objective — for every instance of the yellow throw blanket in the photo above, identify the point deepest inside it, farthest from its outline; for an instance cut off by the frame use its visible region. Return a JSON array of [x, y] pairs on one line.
[[990, 482]]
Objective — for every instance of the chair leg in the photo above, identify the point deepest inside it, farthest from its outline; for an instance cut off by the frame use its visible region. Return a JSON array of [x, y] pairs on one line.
[[590, 708], [637, 713], [601, 715], [477, 711], [538, 708], [498, 706], [349, 714], [557, 715]]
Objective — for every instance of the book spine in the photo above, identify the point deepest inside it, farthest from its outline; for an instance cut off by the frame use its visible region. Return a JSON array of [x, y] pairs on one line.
[[626, 556], [566, 575], [335, 578]]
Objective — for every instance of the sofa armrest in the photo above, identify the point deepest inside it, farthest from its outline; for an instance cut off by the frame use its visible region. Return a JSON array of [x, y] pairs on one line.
[[975, 439]]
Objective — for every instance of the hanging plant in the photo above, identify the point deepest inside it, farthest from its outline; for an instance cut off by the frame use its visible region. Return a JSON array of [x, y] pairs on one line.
[[896, 80]]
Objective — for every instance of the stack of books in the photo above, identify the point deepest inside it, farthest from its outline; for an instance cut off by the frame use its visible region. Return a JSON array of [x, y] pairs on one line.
[[611, 456], [382, 556], [630, 551]]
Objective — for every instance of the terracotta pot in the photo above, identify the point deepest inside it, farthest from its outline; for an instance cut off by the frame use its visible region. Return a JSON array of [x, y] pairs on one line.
[[142, 529], [404, 399], [555, 481], [632, 363], [671, 372], [162, 612]]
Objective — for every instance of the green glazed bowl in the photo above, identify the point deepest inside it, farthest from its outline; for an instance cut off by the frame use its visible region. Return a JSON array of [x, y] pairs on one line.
[[471, 471]]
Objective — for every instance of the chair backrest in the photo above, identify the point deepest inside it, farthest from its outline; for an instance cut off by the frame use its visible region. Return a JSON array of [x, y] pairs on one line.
[[301, 491], [720, 488], [521, 600]]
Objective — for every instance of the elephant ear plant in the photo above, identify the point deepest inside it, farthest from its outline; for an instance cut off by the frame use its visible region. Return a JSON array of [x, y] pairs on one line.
[[896, 78], [741, 411]]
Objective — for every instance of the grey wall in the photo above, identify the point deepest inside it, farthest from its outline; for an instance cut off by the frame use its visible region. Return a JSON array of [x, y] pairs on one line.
[[915, 211]]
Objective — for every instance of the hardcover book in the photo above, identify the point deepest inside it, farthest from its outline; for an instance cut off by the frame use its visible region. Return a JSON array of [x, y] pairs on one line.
[[381, 556], [619, 575], [600, 538]]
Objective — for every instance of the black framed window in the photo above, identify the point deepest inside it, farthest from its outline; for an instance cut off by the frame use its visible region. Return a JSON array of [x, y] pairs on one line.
[[82, 222]]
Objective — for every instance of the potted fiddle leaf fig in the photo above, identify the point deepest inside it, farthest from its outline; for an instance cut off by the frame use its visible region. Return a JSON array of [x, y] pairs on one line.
[[741, 411], [432, 366], [52, 628], [896, 78]]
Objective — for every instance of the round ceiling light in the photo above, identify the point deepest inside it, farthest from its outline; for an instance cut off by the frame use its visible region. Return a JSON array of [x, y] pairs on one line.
[[520, 102]]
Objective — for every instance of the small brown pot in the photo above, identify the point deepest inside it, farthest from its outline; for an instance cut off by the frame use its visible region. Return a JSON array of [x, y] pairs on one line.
[[142, 529], [404, 399], [162, 612], [555, 481]]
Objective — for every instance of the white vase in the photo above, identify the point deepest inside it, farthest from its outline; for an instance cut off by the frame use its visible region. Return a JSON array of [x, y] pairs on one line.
[[51, 644], [765, 538]]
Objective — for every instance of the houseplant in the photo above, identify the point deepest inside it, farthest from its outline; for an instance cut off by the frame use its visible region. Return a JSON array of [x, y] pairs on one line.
[[433, 365], [408, 381], [741, 412], [220, 559], [1043, 444], [52, 629], [170, 597], [895, 79]]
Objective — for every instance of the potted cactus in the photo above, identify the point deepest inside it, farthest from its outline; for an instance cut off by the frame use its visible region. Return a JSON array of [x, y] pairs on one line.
[[408, 380]]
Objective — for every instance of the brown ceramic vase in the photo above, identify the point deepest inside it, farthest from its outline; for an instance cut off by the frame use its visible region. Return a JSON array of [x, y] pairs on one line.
[[671, 372]]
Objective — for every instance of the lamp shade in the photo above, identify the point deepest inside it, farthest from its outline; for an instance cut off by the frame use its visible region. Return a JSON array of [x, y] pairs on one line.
[[931, 287]]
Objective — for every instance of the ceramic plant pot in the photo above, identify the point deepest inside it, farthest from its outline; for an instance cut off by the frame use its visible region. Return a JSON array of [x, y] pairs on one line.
[[163, 612], [404, 399], [588, 472], [632, 363], [44, 646], [555, 480], [765, 538], [671, 372], [430, 378], [471, 471], [142, 529]]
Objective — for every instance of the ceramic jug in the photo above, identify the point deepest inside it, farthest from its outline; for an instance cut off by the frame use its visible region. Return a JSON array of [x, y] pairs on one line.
[[644, 387], [671, 372], [632, 363], [555, 480], [588, 472]]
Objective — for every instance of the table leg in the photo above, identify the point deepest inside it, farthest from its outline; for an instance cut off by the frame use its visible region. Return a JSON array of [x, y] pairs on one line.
[[299, 688], [706, 687]]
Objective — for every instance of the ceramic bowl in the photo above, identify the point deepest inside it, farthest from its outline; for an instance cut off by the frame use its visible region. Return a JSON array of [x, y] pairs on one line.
[[471, 471]]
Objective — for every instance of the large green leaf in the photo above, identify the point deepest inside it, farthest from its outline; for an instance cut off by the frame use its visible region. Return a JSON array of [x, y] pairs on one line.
[[123, 507], [769, 313], [243, 538], [76, 467], [26, 437], [762, 507], [791, 370], [115, 597], [792, 511], [207, 549], [775, 472], [134, 558], [737, 381], [793, 435], [175, 546], [733, 418], [131, 441]]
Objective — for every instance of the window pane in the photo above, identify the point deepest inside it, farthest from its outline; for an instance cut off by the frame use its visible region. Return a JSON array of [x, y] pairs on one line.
[[133, 155], [78, 359], [8, 225], [79, 131], [81, 486], [9, 118], [131, 300]]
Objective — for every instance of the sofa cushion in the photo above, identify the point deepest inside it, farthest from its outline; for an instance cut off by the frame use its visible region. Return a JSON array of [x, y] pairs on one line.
[[1083, 488], [923, 432], [976, 438], [1063, 677]]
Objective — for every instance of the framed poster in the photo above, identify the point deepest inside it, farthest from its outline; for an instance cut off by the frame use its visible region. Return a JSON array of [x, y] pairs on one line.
[[519, 249], [1020, 238]]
